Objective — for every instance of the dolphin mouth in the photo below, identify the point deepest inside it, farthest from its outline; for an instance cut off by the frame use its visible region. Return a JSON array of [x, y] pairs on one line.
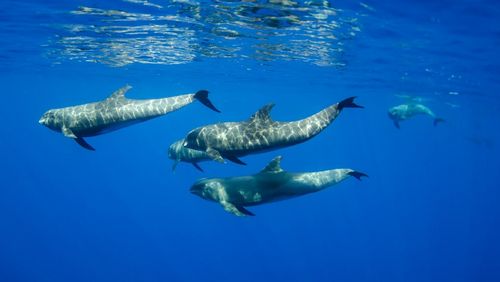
[[41, 121], [195, 189]]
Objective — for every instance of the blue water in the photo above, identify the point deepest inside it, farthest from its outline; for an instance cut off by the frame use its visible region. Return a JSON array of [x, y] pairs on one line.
[[428, 212]]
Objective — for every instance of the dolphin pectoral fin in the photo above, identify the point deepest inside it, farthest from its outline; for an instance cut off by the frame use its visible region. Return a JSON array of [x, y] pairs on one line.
[[198, 167], [215, 155], [235, 160], [202, 96], [84, 143], [245, 211], [68, 133], [236, 210], [176, 162], [357, 174], [396, 124]]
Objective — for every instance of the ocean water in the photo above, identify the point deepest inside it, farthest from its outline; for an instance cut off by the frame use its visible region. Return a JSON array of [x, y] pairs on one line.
[[429, 210]]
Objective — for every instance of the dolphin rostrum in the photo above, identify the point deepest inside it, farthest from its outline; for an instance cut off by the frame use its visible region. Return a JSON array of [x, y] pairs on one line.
[[269, 185], [260, 133], [179, 153], [113, 113]]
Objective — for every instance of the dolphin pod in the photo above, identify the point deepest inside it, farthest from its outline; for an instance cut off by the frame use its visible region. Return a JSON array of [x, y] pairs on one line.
[[269, 185], [227, 140], [114, 113]]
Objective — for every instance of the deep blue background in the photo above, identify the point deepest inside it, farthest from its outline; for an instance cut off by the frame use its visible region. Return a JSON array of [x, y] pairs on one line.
[[429, 211]]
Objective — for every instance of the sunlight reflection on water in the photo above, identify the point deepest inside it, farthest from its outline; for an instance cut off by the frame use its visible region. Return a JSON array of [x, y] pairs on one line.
[[183, 31]]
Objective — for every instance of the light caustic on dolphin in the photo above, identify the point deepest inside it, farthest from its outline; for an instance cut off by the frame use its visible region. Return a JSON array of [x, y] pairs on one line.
[[231, 140], [114, 113], [269, 185]]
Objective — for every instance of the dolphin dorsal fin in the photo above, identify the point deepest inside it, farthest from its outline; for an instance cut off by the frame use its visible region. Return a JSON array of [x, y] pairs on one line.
[[263, 114], [273, 166], [120, 93]]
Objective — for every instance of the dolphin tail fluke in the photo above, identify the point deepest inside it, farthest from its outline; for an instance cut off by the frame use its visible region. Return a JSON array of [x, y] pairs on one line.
[[438, 120], [84, 143], [357, 174], [202, 96], [348, 103]]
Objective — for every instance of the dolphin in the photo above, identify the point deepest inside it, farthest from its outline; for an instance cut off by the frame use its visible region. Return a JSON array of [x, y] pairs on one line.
[[113, 113], [179, 153], [269, 185], [408, 110], [260, 133]]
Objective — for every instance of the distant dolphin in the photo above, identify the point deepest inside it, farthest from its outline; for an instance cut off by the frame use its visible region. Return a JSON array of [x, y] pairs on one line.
[[412, 108], [115, 112], [260, 133], [269, 185], [179, 153]]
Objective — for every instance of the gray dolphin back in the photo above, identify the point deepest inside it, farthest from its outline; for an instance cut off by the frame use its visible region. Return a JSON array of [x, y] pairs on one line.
[[261, 133]]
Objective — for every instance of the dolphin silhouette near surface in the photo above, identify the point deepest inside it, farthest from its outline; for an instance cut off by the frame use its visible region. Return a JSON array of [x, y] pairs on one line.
[[231, 140], [412, 108], [269, 185], [113, 113]]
